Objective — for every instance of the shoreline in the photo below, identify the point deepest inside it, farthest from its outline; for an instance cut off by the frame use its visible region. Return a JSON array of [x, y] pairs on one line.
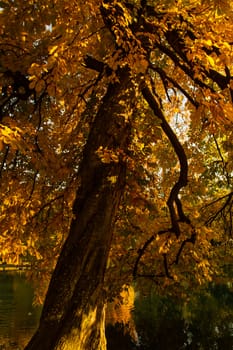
[[14, 267]]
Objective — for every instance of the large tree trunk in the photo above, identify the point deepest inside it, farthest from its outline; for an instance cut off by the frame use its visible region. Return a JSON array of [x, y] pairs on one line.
[[73, 313]]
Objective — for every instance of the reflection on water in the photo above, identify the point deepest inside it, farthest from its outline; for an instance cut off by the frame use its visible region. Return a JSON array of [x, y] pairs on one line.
[[18, 317], [205, 322], [121, 330]]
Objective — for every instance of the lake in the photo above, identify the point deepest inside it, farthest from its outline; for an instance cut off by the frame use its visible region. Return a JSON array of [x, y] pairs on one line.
[[153, 323], [18, 316]]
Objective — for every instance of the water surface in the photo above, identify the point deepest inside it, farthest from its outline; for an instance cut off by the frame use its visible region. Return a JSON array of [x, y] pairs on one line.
[[148, 322], [18, 316]]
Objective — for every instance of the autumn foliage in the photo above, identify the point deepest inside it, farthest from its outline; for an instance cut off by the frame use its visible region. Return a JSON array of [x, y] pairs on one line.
[[174, 225]]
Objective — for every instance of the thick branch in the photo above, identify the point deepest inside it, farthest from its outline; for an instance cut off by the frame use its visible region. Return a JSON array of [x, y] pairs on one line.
[[166, 266], [165, 78], [187, 70], [176, 41], [179, 150], [98, 66], [178, 53]]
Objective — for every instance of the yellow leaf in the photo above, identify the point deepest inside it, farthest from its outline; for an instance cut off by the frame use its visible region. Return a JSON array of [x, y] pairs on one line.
[[227, 45], [52, 49], [208, 42], [112, 179], [140, 145], [211, 60]]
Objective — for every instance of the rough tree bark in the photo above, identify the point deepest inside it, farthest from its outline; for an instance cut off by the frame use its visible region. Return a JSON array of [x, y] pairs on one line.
[[73, 312]]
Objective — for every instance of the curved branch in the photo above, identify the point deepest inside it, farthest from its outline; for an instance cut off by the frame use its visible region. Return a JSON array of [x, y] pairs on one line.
[[166, 266], [142, 250], [173, 199], [178, 49], [165, 78], [192, 240], [186, 69]]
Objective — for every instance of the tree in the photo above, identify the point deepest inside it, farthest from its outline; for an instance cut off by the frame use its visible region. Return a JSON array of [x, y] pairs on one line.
[[105, 107]]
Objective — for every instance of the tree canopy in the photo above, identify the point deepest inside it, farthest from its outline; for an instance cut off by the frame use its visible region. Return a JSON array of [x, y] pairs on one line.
[[134, 97]]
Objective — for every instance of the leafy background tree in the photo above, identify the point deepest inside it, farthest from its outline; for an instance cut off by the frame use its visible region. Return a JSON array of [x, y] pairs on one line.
[[116, 153]]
